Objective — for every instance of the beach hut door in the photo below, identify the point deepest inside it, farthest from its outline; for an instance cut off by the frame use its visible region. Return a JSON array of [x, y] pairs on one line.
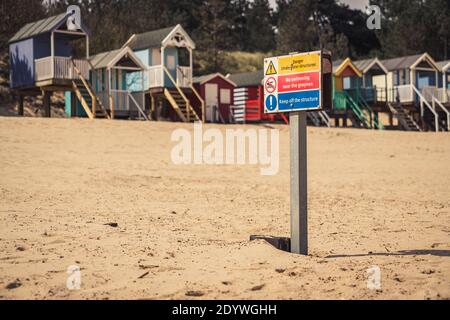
[[212, 102]]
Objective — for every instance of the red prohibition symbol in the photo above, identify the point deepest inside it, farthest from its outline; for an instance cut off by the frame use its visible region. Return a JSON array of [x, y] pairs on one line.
[[271, 85]]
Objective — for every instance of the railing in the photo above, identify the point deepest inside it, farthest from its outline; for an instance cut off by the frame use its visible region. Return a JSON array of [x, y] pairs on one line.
[[381, 94], [155, 77], [43, 69], [123, 100], [443, 95], [136, 99], [184, 77], [435, 102], [343, 101], [440, 94], [202, 102], [403, 93], [369, 94], [60, 68], [374, 120], [104, 99], [325, 118], [424, 102], [189, 107], [340, 101], [120, 98]]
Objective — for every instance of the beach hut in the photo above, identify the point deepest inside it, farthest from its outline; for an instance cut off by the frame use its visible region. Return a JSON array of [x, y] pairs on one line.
[[412, 83], [444, 82], [116, 77], [374, 79], [168, 56], [410, 76], [373, 89], [249, 97], [43, 59], [347, 80], [217, 91]]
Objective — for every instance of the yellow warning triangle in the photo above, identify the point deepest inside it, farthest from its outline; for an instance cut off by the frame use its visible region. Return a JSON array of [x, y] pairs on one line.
[[271, 69]]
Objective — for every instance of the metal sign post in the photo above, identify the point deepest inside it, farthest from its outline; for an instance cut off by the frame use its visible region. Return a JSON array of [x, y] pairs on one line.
[[299, 193], [298, 83]]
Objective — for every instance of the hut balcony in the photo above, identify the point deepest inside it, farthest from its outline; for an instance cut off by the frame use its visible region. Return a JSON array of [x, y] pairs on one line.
[[408, 93], [159, 77], [60, 68], [440, 94]]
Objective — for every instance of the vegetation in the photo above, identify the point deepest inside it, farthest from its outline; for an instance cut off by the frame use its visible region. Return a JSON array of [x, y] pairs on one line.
[[234, 35]]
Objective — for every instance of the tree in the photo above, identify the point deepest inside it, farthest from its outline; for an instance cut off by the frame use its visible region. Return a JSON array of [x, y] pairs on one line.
[[239, 31], [310, 25], [261, 35], [15, 14], [296, 32], [212, 35], [415, 26]]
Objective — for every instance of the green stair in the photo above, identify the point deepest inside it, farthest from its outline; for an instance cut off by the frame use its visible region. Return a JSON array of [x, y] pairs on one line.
[[376, 121], [343, 102]]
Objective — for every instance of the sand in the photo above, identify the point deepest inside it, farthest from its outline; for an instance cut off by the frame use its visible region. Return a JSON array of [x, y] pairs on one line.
[[375, 198]]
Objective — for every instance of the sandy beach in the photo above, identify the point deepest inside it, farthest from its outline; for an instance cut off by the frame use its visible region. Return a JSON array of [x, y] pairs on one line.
[[375, 199]]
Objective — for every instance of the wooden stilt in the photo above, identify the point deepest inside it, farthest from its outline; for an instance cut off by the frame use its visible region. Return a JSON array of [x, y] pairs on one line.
[[158, 109], [152, 107], [20, 111], [73, 105], [111, 106], [344, 121], [336, 121], [47, 104]]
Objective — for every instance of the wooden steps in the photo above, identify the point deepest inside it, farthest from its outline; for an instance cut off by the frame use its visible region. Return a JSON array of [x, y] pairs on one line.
[[403, 117], [318, 118], [181, 104], [85, 94], [429, 121]]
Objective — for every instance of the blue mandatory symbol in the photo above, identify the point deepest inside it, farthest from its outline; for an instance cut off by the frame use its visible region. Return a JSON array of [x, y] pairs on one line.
[[271, 103]]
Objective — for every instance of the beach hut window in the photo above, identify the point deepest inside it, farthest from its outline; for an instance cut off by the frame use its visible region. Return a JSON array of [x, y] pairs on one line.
[[171, 62], [225, 96], [156, 57], [347, 83], [402, 77], [183, 57], [103, 80]]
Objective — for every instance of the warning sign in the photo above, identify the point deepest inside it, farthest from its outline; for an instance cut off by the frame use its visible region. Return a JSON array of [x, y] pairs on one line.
[[270, 85], [298, 82], [293, 82], [299, 63], [271, 70]]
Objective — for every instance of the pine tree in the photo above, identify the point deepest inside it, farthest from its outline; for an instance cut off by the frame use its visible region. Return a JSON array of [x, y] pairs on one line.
[[212, 35], [260, 27]]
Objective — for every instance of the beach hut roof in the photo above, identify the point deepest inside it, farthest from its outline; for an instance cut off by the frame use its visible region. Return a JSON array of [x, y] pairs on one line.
[[246, 79], [158, 38], [340, 65], [110, 58], [367, 64], [444, 65], [42, 26], [203, 79], [408, 62]]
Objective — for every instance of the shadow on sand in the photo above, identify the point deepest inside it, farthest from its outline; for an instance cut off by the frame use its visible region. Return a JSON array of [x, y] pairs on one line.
[[438, 253]]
